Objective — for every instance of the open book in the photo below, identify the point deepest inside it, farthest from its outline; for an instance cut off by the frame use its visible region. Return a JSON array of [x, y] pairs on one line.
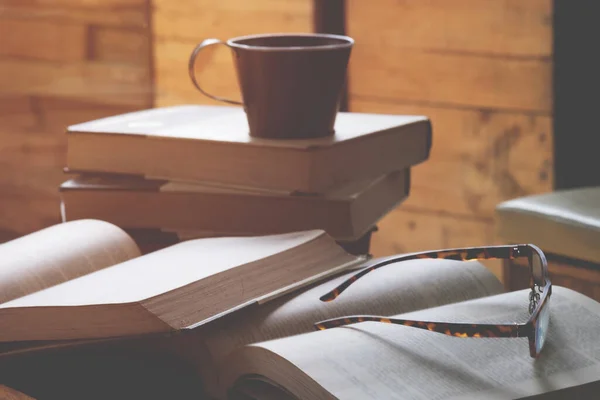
[[86, 279], [275, 349], [272, 350]]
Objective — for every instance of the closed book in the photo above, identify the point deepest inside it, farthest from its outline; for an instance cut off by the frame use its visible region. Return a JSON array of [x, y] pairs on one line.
[[212, 143], [345, 213]]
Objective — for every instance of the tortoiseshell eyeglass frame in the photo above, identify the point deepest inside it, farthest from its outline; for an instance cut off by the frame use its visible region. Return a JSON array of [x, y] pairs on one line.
[[541, 290]]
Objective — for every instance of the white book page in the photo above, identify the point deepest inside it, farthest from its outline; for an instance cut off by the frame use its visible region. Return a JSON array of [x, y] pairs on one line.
[[164, 270], [375, 361], [59, 253], [393, 289]]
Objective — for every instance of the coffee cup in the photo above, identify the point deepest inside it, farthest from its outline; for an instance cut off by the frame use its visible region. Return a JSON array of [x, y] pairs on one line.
[[291, 83]]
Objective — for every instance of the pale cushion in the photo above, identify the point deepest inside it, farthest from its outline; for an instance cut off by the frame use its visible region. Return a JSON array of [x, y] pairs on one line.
[[564, 222]]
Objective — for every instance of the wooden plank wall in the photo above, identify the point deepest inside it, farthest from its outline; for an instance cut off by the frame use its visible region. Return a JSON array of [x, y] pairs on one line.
[[481, 69], [61, 62], [180, 25]]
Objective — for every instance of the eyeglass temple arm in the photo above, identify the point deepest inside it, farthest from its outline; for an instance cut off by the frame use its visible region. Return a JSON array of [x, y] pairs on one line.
[[465, 254], [446, 328]]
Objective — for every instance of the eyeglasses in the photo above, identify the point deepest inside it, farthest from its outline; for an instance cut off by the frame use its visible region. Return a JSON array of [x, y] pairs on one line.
[[534, 329]]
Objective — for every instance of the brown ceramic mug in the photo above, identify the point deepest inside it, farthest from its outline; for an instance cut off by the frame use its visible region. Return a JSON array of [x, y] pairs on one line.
[[291, 84]]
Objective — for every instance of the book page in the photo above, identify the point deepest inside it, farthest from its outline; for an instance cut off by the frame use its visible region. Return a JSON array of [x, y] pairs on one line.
[[60, 253], [165, 270], [374, 360], [397, 288]]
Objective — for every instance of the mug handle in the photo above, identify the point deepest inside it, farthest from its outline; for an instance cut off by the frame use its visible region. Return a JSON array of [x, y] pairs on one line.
[[192, 62]]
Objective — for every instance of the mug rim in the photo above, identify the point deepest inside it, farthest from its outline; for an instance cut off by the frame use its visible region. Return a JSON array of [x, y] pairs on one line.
[[348, 42]]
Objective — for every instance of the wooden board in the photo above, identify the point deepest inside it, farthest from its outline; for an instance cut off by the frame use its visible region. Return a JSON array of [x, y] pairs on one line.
[[445, 60], [215, 72], [42, 40], [61, 62], [180, 26], [194, 20], [488, 27], [451, 79], [20, 114], [127, 85], [89, 4], [32, 148], [124, 13], [120, 45], [58, 113], [32, 157], [478, 158], [16, 113], [29, 202], [407, 229]]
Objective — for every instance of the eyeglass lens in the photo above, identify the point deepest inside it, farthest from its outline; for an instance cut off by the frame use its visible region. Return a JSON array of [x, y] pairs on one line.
[[542, 327], [538, 273]]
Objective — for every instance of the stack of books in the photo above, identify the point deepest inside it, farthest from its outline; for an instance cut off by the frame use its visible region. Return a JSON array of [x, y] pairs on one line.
[[175, 173]]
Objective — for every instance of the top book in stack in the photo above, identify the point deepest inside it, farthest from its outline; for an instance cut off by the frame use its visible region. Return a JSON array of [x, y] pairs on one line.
[[212, 144]]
